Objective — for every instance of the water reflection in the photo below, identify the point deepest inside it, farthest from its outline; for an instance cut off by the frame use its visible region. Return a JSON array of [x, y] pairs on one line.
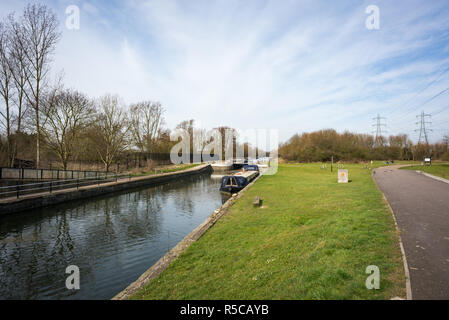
[[112, 239]]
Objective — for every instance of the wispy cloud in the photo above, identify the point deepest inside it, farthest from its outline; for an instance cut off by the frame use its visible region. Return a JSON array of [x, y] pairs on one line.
[[292, 65]]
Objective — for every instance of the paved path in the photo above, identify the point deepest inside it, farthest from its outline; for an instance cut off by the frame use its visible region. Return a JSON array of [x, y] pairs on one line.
[[421, 207]]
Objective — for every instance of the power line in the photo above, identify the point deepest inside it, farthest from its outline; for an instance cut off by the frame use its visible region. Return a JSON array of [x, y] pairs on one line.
[[423, 129], [425, 102], [441, 122], [435, 96], [420, 91], [439, 111]]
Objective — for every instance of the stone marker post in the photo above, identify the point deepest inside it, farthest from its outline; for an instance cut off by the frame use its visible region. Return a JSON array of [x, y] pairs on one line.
[[343, 176]]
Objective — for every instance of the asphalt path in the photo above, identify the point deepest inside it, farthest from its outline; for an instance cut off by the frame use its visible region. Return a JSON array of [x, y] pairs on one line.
[[421, 208]]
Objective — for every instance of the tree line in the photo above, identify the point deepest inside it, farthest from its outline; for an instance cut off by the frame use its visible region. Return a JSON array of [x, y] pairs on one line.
[[41, 119], [324, 144], [49, 119]]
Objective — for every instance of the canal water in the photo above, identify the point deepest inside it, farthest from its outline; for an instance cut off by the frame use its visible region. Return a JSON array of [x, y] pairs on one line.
[[113, 239]]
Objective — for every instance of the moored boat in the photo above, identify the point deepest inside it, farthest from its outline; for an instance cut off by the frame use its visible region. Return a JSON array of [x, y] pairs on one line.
[[237, 181]]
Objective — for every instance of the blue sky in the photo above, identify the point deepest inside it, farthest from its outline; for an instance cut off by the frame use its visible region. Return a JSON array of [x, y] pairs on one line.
[[296, 66]]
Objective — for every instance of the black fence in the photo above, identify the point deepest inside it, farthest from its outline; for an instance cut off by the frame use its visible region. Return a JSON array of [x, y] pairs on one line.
[[125, 162], [139, 160], [20, 190], [46, 174]]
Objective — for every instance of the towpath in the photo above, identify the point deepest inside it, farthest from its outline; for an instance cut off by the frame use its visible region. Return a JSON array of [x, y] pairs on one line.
[[421, 207]]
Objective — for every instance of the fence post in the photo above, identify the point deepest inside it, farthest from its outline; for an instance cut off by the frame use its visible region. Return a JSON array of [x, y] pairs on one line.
[[51, 186], [18, 191]]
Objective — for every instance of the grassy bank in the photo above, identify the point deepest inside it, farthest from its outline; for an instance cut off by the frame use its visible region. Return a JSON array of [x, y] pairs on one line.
[[166, 169], [437, 169], [313, 239]]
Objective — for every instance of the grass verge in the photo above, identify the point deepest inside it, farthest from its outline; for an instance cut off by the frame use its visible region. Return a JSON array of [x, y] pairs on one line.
[[313, 239], [171, 168], [437, 169]]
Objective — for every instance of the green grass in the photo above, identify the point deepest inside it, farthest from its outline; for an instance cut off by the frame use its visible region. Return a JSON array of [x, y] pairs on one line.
[[437, 169], [380, 163], [313, 239], [179, 167]]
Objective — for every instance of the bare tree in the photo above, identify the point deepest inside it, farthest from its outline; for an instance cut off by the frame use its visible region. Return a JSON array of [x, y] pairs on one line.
[[6, 90], [446, 141], [145, 124], [188, 126], [200, 140], [20, 69], [110, 129], [163, 143], [37, 36], [397, 146], [14, 71], [66, 113], [224, 133]]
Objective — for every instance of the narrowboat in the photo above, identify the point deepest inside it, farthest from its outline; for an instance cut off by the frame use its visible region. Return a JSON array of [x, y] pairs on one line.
[[238, 181]]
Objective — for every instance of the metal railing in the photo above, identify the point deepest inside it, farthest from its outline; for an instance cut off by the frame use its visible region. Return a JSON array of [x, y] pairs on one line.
[[50, 186], [47, 174]]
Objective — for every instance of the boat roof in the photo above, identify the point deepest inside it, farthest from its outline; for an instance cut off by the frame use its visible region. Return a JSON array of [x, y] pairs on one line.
[[246, 174], [250, 166]]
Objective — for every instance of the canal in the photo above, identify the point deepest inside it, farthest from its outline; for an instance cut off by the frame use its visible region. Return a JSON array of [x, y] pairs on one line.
[[113, 239]]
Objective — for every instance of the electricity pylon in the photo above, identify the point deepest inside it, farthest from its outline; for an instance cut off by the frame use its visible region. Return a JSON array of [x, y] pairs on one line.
[[423, 127], [379, 126]]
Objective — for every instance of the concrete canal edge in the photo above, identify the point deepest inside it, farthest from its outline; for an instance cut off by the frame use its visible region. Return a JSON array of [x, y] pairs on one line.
[[47, 199], [408, 286], [182, 246]]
